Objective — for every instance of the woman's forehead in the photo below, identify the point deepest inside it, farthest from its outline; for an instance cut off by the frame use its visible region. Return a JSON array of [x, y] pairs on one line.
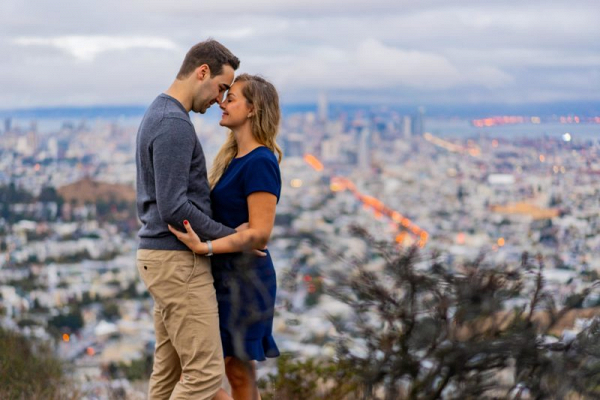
[[237, 86]]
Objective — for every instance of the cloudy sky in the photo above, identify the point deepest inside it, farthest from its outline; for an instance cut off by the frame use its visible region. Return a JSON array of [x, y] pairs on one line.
[[83, 52]]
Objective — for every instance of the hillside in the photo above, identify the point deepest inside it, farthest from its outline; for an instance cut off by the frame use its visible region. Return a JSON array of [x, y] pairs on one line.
[[87, 190]]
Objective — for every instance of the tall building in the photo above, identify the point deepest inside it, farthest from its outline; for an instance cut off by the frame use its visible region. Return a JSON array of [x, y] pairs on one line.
[[406, 127], [322, 107], [330, 149], [293, 145], [53, 148], [32, 141], [418, 127], [7, 124], [364, 149]]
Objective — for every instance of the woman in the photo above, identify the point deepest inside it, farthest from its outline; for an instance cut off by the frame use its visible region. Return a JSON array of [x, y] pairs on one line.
[[246, 184]]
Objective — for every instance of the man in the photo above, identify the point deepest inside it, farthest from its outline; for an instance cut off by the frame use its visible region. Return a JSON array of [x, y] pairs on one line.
[[172, 187]]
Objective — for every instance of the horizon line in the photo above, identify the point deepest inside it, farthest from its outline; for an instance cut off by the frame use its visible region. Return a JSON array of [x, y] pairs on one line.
[[131, 109]]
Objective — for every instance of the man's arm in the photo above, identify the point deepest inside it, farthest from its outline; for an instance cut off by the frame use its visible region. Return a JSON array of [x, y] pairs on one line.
[[261, 206], [172, 157]]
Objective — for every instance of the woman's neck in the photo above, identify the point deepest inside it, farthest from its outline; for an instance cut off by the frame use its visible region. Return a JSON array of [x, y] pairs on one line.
[[245, 140]]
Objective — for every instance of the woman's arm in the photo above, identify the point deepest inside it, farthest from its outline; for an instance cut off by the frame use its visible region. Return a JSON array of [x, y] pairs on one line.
[[261, 210]]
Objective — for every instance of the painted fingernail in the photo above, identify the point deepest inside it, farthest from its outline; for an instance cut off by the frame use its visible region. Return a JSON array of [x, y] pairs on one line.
[[185, 222]]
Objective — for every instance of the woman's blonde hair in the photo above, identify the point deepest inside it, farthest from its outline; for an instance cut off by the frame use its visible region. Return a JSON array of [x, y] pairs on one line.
[[262, 96]]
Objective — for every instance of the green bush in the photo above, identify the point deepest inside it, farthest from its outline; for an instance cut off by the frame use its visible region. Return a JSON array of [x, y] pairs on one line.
[[29, 370], [424, 330]]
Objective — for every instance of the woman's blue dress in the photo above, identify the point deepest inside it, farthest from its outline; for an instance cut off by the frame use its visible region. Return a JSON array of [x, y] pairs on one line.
[[245, 284]]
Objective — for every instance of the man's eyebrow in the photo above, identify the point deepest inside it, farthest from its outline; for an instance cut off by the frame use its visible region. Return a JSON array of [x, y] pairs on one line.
[[225, 86]]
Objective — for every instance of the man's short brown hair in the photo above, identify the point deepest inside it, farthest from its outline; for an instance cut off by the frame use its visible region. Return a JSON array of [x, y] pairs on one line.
[[211, 53]]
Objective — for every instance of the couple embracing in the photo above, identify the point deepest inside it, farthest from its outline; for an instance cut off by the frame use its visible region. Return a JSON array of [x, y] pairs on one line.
[[202, 252]]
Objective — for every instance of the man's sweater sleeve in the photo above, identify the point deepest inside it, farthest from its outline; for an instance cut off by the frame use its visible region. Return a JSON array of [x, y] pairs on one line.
[[172, 154]]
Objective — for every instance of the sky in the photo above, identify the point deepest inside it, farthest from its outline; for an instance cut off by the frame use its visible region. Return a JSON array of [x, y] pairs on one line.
[[125, 52]]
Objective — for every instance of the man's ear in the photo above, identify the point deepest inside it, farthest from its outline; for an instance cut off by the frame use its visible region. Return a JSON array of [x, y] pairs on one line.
[[203, 72]]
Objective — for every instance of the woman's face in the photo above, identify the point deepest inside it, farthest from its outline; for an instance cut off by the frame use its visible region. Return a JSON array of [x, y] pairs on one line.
[[235, 108]]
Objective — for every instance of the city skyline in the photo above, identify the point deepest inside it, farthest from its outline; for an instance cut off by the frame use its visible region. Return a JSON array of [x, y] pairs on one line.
[[553, 109], [507, 187], [396, 53]]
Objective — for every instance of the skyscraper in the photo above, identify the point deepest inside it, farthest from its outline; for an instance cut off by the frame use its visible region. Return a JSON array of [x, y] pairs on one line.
[[406, 127], [7, 124], [418, 127], [364, 149], [293, 144], [322, 107]]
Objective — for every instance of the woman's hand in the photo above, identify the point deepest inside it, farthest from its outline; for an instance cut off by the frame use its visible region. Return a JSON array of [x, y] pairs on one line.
[[190, 239]]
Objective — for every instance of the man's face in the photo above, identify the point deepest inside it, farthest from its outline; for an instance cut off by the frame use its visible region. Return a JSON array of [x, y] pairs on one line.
[[212, 89]]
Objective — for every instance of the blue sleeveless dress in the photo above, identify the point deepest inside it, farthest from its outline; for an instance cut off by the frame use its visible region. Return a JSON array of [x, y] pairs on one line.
[[245, 284]]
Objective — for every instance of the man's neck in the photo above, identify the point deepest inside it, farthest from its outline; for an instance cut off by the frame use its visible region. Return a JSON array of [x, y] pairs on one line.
[[179, 93]]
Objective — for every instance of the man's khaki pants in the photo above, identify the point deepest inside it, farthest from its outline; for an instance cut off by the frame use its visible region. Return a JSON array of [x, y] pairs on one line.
[[188, 358]]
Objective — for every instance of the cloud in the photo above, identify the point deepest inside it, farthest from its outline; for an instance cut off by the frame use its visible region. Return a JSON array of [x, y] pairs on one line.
[[392, 50], [390, 66], [287, 7], [86, 48], [374, 65], [233, 33], [526, 57]]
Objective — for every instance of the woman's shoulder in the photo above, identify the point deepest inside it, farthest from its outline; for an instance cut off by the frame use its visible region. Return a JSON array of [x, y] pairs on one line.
[[263, 155], [263, 152]]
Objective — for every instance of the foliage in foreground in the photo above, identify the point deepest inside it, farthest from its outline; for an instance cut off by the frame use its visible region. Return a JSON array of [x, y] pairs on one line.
[[423, 330], [29, 370]]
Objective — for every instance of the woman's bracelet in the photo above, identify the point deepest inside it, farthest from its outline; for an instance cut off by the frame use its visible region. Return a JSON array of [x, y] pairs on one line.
[[210, 248]]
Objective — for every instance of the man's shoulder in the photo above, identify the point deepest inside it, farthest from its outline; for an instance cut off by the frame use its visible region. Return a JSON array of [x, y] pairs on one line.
[[164, 115], [177, 118], [169, 107]]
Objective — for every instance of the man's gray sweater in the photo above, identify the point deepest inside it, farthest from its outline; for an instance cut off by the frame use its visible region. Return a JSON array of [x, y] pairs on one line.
[[172, 183]]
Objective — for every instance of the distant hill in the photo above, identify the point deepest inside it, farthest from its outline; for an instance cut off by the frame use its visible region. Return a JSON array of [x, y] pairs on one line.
[[476, 110], [76, 112], [115, 112], [88, 190]]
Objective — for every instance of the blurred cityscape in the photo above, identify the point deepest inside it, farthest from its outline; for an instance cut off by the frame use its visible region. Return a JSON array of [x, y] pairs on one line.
[[456, 187]]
